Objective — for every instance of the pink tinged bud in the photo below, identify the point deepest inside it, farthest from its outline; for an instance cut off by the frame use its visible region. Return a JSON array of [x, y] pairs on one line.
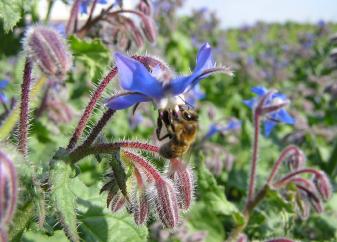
[[296, 160], [117, 202], [141, 208], [183, 180], [140, 203], [48, 49], [136, 34], [3, 235], [314, 200], [166, 204], [323, 185], [145, 7], [280, 240], [242, 238], [302, 204], [8, 189], [149, 29]]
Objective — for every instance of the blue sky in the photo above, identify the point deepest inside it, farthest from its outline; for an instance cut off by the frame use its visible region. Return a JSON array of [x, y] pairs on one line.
[[234, 13]]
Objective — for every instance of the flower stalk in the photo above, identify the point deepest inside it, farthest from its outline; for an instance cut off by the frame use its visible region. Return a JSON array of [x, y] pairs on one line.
[[24, 108]]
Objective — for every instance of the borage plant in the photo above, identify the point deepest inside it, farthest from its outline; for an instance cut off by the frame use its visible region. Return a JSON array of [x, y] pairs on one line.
[[303, 191]]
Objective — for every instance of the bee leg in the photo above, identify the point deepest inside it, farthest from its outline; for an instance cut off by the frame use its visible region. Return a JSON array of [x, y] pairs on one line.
[[160, 126]]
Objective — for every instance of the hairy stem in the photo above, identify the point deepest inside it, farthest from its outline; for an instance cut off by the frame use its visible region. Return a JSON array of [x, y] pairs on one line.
[[73, 16], [295, 173], [98, 127], [81, 152], [90, 107], [251, 187], [24, 108], [286, 152]]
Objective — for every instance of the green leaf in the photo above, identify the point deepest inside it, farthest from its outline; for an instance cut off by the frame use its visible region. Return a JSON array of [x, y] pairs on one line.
[[94, 54], [64, 198], [214, 195], [201, 218], [33, 236], [275, 200], [98, 223], [10, 12]]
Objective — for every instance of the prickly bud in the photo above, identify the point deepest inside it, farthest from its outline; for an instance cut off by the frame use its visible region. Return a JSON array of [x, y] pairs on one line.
[[182, 176], [145, 7], [117, 202], [242, 238], [302, 204], [323, 185], [8, 192], [140, 207], [47, 48], [149, 29], [280, 240], [166, 203]]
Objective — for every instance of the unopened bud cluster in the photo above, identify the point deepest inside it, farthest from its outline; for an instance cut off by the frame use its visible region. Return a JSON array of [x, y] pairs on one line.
[[8, 193], [47, 48], [309, 192], [148, 188]]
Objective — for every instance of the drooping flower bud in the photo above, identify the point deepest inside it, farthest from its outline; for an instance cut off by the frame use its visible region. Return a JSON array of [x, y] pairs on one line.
[[280, 240], [182, 176], [323, 185], [140, 207], [117, 202], [149, 29], [140, 201], [145, 7], [47, 48], [8, 192], [166, 203]]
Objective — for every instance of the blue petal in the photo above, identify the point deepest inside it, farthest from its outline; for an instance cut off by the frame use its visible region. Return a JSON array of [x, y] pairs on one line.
[[268, 127], [125, 101], [259, 90], [179, 85], [84, 6], [3, 98], [3, 83], [212, 130], [285, 117], [204, 59], [233, 124], [135, 77], [250, 103]]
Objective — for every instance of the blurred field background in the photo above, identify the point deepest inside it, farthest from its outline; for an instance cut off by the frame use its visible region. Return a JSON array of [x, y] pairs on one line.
[[299, 59]]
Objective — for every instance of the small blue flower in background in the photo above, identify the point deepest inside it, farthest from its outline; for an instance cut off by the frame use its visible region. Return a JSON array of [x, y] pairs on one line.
[[272, 118], [144, 86], [218, 128], [85, 3], [3, 85]]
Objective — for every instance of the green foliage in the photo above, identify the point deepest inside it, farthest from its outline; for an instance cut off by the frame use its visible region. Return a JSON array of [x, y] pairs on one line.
[[94, 55], [10, 12], [64, 197]]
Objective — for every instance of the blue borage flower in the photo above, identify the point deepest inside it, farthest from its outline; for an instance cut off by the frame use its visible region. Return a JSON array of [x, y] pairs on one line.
[[273, 118], [143, 85], [218, 128], [85, 3], [3, 85]]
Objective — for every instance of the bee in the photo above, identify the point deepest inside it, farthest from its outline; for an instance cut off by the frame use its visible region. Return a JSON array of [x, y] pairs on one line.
[[182, 126]]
